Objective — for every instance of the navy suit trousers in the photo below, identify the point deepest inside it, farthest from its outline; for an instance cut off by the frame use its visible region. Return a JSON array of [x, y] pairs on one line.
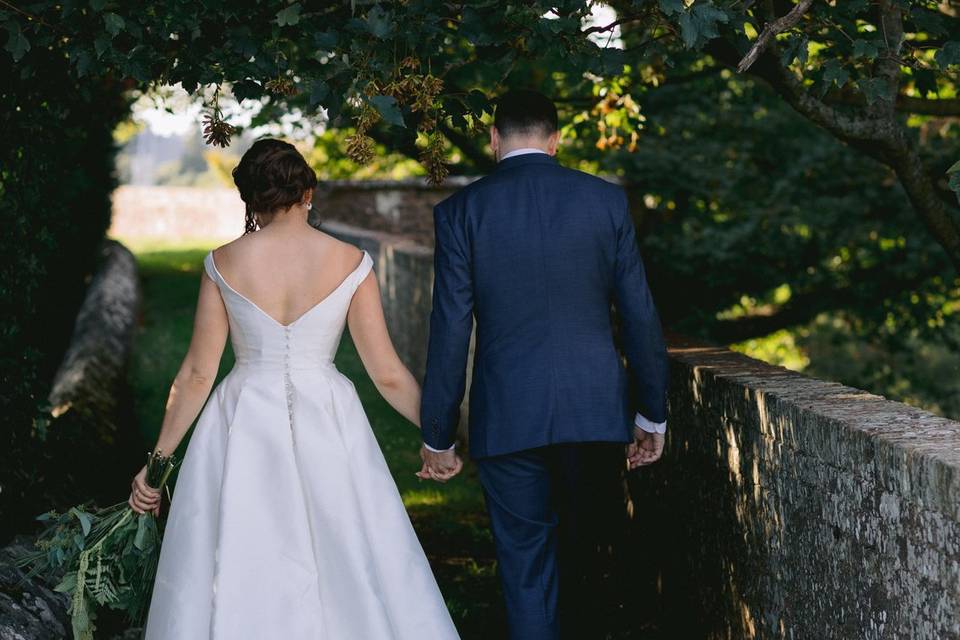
[[541, 504]]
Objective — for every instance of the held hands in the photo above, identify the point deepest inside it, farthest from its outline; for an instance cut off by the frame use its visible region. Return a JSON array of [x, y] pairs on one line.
[[646, 448], [143, 497], [439, 466]]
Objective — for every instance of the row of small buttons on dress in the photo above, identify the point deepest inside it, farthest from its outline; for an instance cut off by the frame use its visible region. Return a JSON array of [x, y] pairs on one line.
[[287, 383]]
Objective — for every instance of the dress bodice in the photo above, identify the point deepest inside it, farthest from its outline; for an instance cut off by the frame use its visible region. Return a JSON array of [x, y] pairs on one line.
[[310, 341]]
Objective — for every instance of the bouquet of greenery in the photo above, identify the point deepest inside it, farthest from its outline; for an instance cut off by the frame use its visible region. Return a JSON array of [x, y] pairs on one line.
[[101, 557]]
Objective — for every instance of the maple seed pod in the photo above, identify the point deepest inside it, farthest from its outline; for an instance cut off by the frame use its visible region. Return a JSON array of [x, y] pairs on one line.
[[433, 160], [281, 86], [216, 131], [360, 148]]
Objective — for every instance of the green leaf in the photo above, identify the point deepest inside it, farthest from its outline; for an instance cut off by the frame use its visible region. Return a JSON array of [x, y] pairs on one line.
[[378, 22], [478, 102], [289, 16], [17, 43], [925, 80], [834, 73], [874, 89], [795, 48], [476, 27], [68, 583], [948, 55], [113, 22], [140, 537], [865, 49], [319, 90], [954, 168], [699, 24], [612, 60], [930, 22], [101, 44], [671, 7], [954, 182], [98, 5], [688, 30], [84, 60], [325, 39], [84, 519], [387, 106]]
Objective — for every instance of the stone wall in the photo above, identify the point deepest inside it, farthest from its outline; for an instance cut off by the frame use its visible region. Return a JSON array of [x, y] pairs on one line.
[[402, 207], [404, 272], [788, 507]]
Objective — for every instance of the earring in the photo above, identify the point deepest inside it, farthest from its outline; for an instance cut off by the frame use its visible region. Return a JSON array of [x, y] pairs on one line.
[[309, 206]]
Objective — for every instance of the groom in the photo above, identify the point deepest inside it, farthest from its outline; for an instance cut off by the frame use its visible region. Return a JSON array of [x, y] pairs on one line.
[[537, 253]]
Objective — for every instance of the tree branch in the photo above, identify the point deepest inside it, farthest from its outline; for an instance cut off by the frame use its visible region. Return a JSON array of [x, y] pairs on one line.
[[768, 68], [877, 134], [887, 65], [609, 27], [771, 30]]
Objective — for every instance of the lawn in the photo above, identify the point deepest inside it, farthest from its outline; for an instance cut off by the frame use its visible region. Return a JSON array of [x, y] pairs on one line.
[[449, 518]]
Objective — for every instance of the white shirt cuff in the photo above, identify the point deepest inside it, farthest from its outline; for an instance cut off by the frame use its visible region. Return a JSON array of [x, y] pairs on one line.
[[439, 450], [648, 426]]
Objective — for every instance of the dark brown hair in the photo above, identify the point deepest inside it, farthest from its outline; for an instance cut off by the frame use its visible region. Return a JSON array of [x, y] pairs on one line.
[[525, 112], [271, 175]]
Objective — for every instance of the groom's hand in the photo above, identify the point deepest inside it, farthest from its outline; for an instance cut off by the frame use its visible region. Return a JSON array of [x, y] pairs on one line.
[[439, 466], [646, 448]]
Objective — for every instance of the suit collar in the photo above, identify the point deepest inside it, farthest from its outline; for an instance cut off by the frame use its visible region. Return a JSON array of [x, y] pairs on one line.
[[526, 158]]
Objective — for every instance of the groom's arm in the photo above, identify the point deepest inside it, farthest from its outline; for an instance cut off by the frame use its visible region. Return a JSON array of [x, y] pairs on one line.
[[642, 334], [451, 323]]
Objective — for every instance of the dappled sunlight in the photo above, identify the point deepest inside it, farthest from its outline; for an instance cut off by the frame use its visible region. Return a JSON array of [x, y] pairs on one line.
[[423, 498]]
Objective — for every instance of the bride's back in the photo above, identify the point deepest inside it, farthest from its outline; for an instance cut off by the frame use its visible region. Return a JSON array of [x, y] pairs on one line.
[[286, 268]]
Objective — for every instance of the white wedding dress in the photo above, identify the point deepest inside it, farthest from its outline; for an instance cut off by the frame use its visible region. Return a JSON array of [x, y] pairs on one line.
[[286, 523]]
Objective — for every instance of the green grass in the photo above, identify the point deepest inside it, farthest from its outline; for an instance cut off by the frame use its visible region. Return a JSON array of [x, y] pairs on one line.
[[449, 518]]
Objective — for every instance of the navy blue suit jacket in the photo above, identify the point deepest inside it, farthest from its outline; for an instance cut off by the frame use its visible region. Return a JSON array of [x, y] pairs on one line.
[[536, 253]]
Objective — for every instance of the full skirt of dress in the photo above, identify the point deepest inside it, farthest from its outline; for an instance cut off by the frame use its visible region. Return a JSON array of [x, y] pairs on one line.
[[285, 523]]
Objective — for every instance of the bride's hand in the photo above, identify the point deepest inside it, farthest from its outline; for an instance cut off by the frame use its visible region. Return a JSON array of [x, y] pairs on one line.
[[143, 497], [439, 466]]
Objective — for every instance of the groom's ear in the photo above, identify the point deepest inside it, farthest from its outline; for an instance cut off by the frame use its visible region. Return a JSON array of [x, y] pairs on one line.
[[494, 139], [552, 142]]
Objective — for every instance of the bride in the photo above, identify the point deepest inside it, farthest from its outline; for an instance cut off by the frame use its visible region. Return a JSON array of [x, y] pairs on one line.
[[286, 522]]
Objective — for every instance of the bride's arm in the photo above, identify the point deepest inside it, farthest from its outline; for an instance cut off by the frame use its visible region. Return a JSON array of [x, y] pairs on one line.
[[194, 380], [368, 328], [191, 386]]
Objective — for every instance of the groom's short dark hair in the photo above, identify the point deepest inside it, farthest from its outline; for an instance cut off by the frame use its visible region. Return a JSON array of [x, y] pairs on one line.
[[525, 112]]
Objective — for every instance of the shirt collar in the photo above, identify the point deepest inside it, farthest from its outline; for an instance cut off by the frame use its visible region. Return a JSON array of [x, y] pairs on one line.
[[519, 152]]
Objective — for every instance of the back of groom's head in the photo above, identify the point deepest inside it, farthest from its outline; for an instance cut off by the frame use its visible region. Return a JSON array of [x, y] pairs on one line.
[[523, 113]]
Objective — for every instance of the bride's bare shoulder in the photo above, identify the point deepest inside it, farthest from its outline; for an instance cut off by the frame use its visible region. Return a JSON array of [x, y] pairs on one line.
[[226, 250], [342, 252]]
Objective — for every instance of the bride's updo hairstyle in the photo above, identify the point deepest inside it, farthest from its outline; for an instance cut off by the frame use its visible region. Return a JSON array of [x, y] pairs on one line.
[[271, 175]]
